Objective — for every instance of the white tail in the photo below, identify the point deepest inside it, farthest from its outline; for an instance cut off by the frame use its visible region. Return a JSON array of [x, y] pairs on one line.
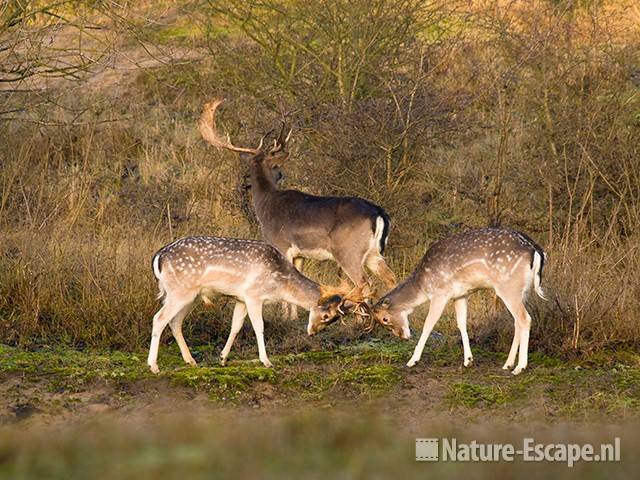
[[506, 261], [537, 274], [253, 272]]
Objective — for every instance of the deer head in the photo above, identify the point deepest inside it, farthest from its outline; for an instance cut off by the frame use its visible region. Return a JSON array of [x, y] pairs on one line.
[[396, 320], [336, 302]]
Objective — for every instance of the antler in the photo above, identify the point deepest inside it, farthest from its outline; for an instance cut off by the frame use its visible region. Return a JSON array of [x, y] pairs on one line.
[[207, 126], [359, 297], [281, 142], [362, 308], [356, 299]]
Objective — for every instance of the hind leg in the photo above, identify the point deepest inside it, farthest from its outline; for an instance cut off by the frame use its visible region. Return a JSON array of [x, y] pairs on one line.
[[171, 308], [511, 358], [298, 262], [176, 329], [352, 264], [290, 311], [376, 263], [522, 323]]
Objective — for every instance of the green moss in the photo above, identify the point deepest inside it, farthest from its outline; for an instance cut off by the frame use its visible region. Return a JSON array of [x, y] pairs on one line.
[[377, 377], [539, 359], [315, 357], [73, 366], [359, 370], [475, 395], [307, 384]]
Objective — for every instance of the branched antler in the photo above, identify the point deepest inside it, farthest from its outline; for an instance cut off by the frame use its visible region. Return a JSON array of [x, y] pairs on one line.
[[207, 127]]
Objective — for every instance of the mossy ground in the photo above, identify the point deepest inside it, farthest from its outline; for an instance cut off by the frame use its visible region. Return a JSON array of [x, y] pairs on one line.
[[367, 371]]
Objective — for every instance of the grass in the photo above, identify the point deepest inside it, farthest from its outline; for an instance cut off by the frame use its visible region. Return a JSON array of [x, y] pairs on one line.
[[565, 389], [337, 410], [473, 395], [551, 154], [472, 116]]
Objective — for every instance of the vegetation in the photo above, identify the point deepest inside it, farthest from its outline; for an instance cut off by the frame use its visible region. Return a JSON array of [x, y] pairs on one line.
[[448, 113], [523, 114]]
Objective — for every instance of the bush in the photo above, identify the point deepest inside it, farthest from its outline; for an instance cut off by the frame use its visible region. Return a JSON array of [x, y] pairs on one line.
[[449, 115]]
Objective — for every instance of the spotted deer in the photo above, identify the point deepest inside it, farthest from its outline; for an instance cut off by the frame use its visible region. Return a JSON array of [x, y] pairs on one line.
[[349, 230], [506, 261], [251, 271]]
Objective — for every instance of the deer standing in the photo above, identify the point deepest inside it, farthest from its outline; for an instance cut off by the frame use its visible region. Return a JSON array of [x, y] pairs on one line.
[[251, 271], [506, 261], [349, 230]]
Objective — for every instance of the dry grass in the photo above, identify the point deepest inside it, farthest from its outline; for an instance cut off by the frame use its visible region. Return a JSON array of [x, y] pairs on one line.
[[526, 115]]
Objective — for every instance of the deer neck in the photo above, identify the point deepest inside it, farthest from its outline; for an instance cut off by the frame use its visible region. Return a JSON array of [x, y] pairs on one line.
[[409, 294], [262, 188], [301, 291], [261, 179]]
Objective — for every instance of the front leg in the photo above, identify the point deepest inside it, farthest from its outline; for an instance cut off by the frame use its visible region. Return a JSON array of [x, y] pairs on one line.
[[435, 310], [254, 307]]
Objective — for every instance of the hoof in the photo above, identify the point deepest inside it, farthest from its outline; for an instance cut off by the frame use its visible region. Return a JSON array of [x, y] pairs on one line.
[[154, 369], [518, 370], [223, 361], [468, 362], [411, 362], [267, 363]]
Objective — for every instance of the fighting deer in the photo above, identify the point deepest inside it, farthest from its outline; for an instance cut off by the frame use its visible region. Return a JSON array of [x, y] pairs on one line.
[[251, 271], [506, 261], [349, 230]]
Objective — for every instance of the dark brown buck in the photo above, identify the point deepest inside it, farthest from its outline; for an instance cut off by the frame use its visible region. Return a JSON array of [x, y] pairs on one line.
[[349, 230], [506, 261], [251, 271]]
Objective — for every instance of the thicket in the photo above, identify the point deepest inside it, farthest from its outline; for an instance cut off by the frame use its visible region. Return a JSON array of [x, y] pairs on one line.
[[448, 114]]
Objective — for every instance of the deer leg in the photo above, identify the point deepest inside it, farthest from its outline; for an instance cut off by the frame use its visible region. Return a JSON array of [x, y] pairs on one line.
[[460, 306], [376, 263], [290, 312], [352, 265], [523, 351], [239, 312], [511, 358], [176, 329], [255, 315], [435, 310], [169, 310], [522, 324], [298, 262]]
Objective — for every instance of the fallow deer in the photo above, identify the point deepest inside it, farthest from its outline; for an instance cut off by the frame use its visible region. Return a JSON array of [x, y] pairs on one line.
[[251, 271], [349, 230], [506, 261]]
